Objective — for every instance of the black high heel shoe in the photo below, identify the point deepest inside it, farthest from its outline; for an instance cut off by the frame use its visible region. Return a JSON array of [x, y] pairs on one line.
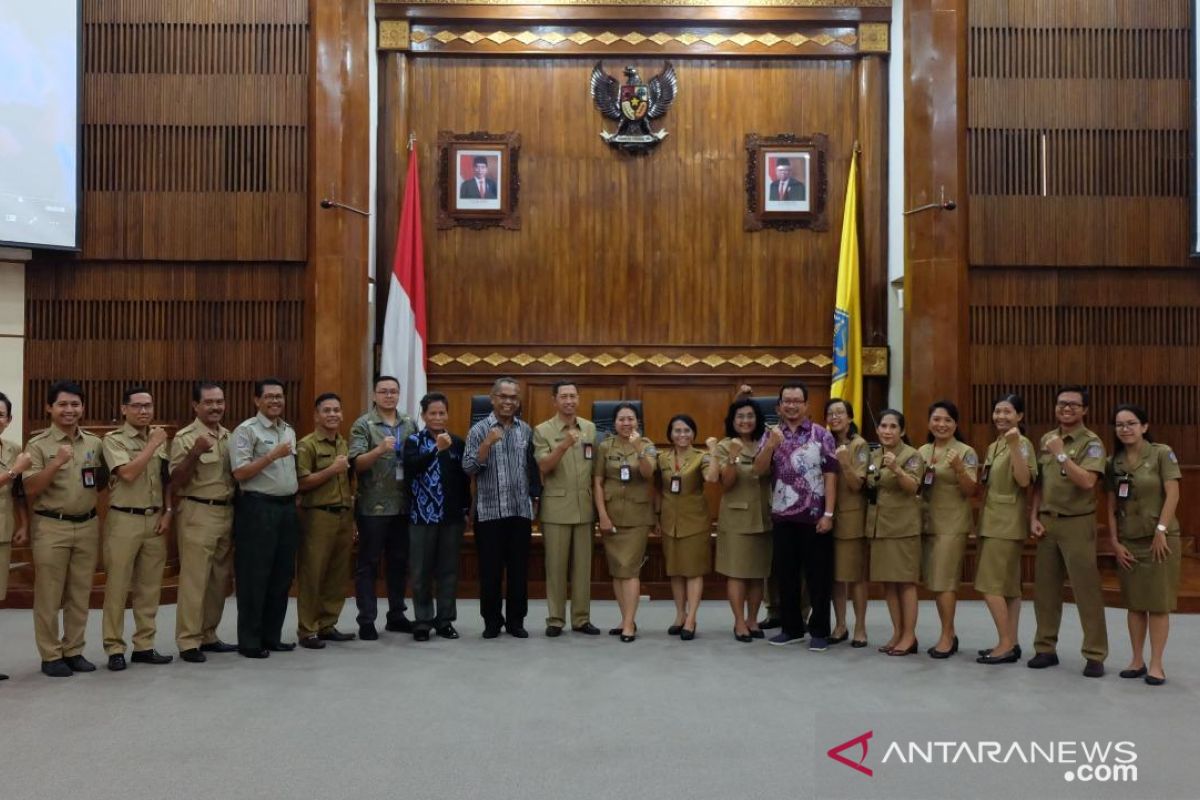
[[674, 630], [935, 653], [686, 635]]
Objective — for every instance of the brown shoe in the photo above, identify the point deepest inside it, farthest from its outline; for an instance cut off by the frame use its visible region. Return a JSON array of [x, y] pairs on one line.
[[312, 643]]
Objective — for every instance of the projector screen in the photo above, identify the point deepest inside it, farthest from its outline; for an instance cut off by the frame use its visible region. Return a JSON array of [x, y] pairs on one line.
[[39, 123]]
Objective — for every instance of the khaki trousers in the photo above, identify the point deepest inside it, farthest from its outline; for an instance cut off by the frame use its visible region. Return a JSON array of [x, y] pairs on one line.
[[134, 558], [205, 537], [1068, 550], [323, 568], [568, 552], [64, 565]]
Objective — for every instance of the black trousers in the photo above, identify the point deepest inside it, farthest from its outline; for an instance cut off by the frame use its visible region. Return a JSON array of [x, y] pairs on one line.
[[386, 537], [266, 535], [503, 547], [803, 559]]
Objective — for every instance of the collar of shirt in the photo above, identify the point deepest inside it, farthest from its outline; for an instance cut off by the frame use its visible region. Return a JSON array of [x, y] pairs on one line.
[[266, 423], [804, 427], [58, 434], [199, 426], [132, 432]]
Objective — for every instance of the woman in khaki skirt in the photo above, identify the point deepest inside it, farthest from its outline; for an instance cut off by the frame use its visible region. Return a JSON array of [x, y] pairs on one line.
[[1143, 493], [894, 528], [684, 522], [12, 515], [851, 551], [622, 476], [1009, 469], [947, 486], [744, 519]]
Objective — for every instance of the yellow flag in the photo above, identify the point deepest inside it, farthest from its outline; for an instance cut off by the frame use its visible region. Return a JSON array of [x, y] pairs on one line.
[[847, 334]]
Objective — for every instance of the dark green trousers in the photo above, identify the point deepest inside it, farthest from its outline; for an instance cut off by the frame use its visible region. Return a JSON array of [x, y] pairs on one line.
[[266, 534]]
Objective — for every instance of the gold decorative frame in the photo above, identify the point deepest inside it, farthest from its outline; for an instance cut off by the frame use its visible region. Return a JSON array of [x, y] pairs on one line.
[[650, 3], [632, 360]]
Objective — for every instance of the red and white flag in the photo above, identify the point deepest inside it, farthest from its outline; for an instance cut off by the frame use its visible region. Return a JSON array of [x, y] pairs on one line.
[[404, 331]]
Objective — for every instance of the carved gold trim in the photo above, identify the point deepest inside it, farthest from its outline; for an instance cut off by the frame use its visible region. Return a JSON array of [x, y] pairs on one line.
[[871, 360], [701, 3], [393, 34], [607, 38], [873, 37], [875, 362]]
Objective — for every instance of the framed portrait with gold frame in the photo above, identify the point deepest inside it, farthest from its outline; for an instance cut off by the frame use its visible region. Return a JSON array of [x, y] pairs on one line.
[[786, 185], [478, 180]]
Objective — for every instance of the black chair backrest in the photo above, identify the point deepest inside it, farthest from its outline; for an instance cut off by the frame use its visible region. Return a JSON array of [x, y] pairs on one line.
[[603, 412], [769, 408], [481, 406]]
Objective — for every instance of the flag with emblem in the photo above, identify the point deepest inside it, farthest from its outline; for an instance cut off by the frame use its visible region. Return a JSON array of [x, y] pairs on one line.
[[847, 334], [404, 332]]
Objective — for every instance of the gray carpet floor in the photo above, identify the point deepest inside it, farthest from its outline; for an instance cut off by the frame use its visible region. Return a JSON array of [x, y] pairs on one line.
[[586, 717]]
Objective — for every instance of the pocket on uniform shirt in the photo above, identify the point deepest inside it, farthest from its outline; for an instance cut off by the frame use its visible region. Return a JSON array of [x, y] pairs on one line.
[[1002, 498], [209, 458], [738, 506], [554, 493]]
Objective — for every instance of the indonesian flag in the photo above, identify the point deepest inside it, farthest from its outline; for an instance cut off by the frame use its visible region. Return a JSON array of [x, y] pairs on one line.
[[404, 330]]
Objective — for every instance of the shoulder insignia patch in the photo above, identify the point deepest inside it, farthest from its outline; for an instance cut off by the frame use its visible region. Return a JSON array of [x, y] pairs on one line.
[[1171, 455], [970, 459], [1095, 450], [912, 463]]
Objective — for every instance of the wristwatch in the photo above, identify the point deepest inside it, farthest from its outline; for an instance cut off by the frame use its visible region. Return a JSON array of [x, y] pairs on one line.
[[829, 514], [1061, 458], [1160, 528]]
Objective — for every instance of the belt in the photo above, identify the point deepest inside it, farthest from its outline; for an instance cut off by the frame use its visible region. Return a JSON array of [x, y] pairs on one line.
[[330, 509], [140, 512], [1057, 515], [67, 517], [282, 499], [205, 501]]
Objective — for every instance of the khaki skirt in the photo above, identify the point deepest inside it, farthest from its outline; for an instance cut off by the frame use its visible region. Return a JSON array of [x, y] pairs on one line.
[[626, 550], [688, 556], [851, 557], [943, 557], [896, 560], [1150, 586], [999, 570], [746, 556]]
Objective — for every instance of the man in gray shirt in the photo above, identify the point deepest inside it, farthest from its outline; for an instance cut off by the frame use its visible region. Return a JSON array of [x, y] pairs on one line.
[[498, 454], [266, 528]]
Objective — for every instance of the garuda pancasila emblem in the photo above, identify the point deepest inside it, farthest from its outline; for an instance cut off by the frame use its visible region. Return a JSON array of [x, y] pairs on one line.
[[633, 105]]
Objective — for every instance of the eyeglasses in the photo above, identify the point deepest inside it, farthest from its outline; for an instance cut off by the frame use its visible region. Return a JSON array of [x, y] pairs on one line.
[[1068, 405], [836, 414], [1126, 426], [140, 406]]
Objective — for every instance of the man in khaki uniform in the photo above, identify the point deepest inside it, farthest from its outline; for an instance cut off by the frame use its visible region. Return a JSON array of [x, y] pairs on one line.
[[62, 485], [326, 527], [135, 547], [13, 523], [564, 447], [202, 487], [1063, 520]]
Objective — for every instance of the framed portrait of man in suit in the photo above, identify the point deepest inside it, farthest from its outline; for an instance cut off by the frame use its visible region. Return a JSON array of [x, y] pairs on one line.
[[785, 182], [477, 180]]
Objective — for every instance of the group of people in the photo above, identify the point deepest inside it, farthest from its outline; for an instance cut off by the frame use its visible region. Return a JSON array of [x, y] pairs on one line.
[[809, 515]]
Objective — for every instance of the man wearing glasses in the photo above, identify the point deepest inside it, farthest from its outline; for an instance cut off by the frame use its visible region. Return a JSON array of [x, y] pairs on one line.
[[381, 509], [498, 454], [1063, 521]]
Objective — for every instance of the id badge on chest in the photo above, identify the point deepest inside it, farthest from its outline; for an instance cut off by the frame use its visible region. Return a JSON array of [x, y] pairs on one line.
[[927, 481], [1123, 487], [676, 484], [626, 473], [89, 477], [588, 452], [985, 474], [399, 471]]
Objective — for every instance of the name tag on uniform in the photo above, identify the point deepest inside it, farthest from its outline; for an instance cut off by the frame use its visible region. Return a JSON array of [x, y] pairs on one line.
[[588, 453], [399, 471], [626, 474], [987, 471], [676, 485], [1123, 484], [89, 477], [928, 479]]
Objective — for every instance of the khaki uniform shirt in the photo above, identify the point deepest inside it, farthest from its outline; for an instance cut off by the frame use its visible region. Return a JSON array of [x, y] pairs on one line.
[[67, 493], [896, 512], [850, 513], [567, 489], [1005, 514], [315, 453], [382, 491], [745, 506], [252, 440], [627, 502], [684, 513], [1138, 515], [146, 491], [1059, 494], [946, 510], [8, 522], [212, 478]]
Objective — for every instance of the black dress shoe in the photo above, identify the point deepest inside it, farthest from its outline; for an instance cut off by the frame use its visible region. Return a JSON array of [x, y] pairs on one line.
[[614, 631], [334, 635], [3, 677], [588, 628], [627, 638], [1133, 673], [312, 643], [1093, 669], [367, 633], [421, 635], [858, 642], [911, 651], [553, 631], [1153, 681], [935, 653], [491, 631], [686, 635], [674, 630], [193, 656], [1011, 657], [743, 637], [282, 647], [401, 625], [79, 664], [517, 631], [1042, 660], [833, 639], [254, 652], [116, 662], [770, 623], [150, 657], [447, 631], [219, 647], [56, 669]]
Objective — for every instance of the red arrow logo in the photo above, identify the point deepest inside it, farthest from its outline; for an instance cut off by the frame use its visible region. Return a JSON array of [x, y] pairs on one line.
[[836, 753]]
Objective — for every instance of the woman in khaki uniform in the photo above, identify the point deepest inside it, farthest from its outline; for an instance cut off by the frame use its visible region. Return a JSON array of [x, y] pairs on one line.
[[622, 477], [894, 528], [851, 548], [1143, 493], [947, 486], [13, 522], [1009, 470], [744, 518], [684, 523]]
